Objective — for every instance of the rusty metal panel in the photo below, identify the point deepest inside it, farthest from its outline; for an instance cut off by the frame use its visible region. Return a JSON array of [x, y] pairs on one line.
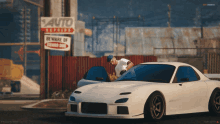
[[208, 63], [194, 61], [55, 73], [213, 63], [69, 73], [218, 66], [150, 59], [82, 66], [134, 59], [65, 72], [51, 74], [142, 41]]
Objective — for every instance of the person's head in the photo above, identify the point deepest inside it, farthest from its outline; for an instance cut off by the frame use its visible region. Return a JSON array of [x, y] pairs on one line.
[[112, 60]]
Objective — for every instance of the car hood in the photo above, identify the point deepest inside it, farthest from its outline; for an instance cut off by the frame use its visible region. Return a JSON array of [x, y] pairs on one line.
[[107, 92]]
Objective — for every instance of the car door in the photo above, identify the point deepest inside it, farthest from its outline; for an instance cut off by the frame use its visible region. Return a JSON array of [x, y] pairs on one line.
[[176, 97], [194, 90]]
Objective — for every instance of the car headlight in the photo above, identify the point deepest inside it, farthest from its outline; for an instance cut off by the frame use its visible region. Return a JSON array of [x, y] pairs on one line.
[[72, 98], [123, 100]]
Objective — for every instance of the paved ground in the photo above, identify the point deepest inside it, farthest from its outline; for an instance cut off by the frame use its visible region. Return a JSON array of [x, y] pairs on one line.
[[14, 105], [11, 113], [19, 97], [33, 117]]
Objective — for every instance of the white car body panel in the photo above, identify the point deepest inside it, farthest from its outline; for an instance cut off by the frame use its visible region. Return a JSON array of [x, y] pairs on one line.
[[180, 98], [84, 82]]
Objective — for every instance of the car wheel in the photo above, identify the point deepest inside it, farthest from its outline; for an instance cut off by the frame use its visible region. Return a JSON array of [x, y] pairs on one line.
[[155, 107], [214, 102]]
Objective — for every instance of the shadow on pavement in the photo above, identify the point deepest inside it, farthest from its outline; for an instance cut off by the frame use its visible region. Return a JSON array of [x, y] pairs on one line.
[[198, 118]]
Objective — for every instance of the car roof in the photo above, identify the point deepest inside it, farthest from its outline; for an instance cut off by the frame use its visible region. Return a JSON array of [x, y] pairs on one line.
[[168, 63]]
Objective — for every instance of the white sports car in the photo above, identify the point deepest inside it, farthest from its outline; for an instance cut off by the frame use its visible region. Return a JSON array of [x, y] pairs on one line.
[[148, 90]]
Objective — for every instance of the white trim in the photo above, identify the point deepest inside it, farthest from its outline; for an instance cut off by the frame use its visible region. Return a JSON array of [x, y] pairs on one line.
[[212, 75]]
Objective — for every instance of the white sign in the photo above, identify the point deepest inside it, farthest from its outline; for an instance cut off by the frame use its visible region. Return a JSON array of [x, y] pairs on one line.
[[58, 25], [57, 43]]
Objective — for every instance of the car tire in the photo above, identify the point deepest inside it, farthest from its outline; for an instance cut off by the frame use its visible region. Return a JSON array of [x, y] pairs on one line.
[[155, 107], [214, 102]]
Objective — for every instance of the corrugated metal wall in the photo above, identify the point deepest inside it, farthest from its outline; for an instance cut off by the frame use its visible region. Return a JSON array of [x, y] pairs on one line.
[[69, 75], [213, 63], [143, 40], [65, 72], [55, 73]]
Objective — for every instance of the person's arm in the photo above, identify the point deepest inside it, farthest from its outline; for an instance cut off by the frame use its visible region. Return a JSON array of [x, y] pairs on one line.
[[130, 65]]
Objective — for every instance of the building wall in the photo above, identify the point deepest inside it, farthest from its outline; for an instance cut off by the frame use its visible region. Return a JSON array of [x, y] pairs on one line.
[[143, 41], [79, 39]]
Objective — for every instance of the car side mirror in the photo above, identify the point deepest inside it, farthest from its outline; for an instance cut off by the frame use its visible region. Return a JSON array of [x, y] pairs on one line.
[[184, 79], [99, 78]]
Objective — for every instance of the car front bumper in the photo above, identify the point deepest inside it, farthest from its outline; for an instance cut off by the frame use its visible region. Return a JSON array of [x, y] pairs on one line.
[[111, 113]]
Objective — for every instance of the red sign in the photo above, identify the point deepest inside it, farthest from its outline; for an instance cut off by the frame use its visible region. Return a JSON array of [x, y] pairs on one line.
[[56, 45], [58, 30]]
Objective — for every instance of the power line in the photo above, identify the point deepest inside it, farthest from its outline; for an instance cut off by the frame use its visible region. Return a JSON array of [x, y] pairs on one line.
[[184, 15], [169, 14], [158, 22], [149, 19], [190, 19], [154, 14], [180, 13]]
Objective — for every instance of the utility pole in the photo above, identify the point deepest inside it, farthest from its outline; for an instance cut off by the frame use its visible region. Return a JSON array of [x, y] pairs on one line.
[[113, 32], [25, 40], [117, 37], [169, 14], [44, 58], [67, 14], [206, 58], [92, 34], [169, 22]]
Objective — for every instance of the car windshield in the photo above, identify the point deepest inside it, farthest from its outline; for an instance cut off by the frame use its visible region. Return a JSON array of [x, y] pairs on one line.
[[149, 72]]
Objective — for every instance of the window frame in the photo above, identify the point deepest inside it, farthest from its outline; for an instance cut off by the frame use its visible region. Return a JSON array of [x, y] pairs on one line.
[[175, 78]]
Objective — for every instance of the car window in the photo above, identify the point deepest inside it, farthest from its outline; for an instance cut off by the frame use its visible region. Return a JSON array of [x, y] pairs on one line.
[[186, 74], [97, 73], [149, 72]]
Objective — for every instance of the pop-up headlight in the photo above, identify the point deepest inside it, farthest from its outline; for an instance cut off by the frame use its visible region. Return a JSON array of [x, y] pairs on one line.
[[125, 93], [78, 92]]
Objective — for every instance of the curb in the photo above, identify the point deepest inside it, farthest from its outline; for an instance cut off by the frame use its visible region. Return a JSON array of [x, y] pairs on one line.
[[17, 101], [30, 107]]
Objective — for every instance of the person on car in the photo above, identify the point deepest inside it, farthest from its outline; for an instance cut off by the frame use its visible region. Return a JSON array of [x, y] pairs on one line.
[[122, 65]]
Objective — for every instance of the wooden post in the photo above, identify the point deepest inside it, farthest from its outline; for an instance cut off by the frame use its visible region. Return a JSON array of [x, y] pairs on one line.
[[42, 67], [44, 80], [67, 14]]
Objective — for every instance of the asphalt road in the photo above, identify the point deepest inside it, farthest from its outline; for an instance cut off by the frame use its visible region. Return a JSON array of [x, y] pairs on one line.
[[33, 117], [11, 113]]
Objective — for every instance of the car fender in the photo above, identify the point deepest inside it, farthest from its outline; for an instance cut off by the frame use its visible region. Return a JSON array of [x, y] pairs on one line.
[[138, 101], [212, 85]]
